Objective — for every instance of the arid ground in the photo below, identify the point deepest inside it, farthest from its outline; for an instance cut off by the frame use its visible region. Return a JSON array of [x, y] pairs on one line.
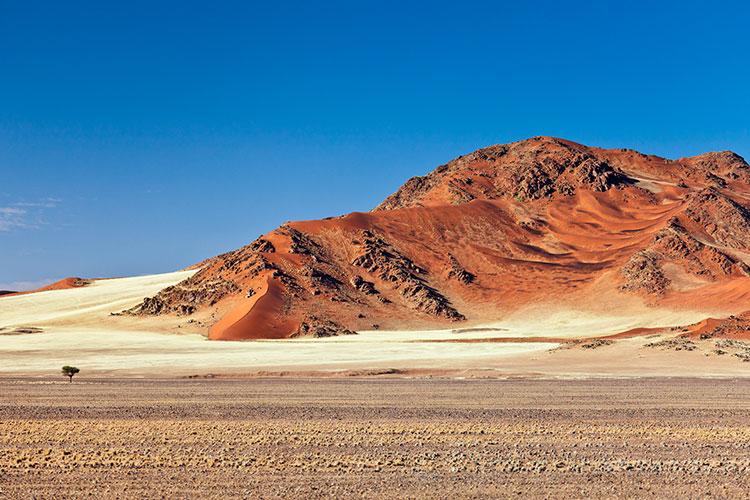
[[353, 437], [539, 318]]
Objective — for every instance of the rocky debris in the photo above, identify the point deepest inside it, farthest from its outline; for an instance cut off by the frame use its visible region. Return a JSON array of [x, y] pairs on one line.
[[458, 273], [732, 344], [320, 278], [366, 287], [262, 245], [725, 165], [696, 257], [542, 177], [596, 343], [644, 272], [584, 344], [380, 258], [715, 180], [566, 189], [599, 175], [388, 264], [77, 282], [430, 301], [675, 343], [413, 189], [722, 218], [312, 326], [301, 243], [185, 297], [459, 194], [741, 349], [242, 263]]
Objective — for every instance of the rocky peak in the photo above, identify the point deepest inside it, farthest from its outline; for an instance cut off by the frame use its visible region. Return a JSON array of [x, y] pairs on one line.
[[525, 170]]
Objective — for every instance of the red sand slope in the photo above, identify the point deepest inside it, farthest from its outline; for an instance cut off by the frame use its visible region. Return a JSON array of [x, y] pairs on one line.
[[63, 284]]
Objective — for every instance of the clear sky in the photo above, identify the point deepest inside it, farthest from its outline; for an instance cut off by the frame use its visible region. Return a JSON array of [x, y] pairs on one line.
[[143, 136]]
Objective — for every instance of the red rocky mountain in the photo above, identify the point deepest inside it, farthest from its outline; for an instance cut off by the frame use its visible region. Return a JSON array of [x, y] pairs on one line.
[[540, 221]]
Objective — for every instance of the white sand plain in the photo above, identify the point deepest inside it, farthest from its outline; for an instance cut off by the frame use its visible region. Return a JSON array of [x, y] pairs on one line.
[[79, 330]]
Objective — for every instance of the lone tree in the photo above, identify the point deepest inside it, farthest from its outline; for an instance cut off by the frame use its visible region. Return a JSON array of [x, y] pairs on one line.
[[69, 371]]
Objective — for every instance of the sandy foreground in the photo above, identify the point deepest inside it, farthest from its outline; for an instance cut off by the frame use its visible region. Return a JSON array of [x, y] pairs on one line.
[[41, 332], [519, 408], [374, 438]]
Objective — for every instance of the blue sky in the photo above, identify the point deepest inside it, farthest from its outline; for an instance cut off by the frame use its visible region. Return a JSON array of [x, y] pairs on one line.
[[142, 137]]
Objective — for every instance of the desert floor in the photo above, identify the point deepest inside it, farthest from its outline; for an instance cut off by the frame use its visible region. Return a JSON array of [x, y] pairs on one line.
[[374, 437], [43, 331]]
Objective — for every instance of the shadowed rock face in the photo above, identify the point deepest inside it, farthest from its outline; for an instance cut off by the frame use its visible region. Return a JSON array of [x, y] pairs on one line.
[[508, 226]]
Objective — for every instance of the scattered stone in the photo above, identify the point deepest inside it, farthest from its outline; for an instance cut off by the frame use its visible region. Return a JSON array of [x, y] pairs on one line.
[[312, 326], [676, 343], [596, 343]]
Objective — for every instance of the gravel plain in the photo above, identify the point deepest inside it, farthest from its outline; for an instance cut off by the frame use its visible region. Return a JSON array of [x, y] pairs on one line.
[[374, 438]]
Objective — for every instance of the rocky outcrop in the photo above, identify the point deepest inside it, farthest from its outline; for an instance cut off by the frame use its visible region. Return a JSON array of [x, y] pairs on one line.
[[366, 287], [300, 243], [644, 272], [724, 165], [185, 297], [388, 264], [722, 218], [676, 245], [319, 278], [312, 326], [411, 192], [262, 246], [458, 273], [525, 170]]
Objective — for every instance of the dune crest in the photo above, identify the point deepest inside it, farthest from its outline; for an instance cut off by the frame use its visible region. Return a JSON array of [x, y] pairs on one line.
[[63, 284]]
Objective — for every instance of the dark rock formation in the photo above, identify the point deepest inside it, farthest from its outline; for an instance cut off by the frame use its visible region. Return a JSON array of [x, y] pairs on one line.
[[185, 297], [262, 245], [457, 272], [388, 264], [366, 287], [312, 326], [644, 272]]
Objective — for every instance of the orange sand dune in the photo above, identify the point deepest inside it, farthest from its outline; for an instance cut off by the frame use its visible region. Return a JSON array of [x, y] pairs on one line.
[[735, 327], [256, 318], [62, 284]]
